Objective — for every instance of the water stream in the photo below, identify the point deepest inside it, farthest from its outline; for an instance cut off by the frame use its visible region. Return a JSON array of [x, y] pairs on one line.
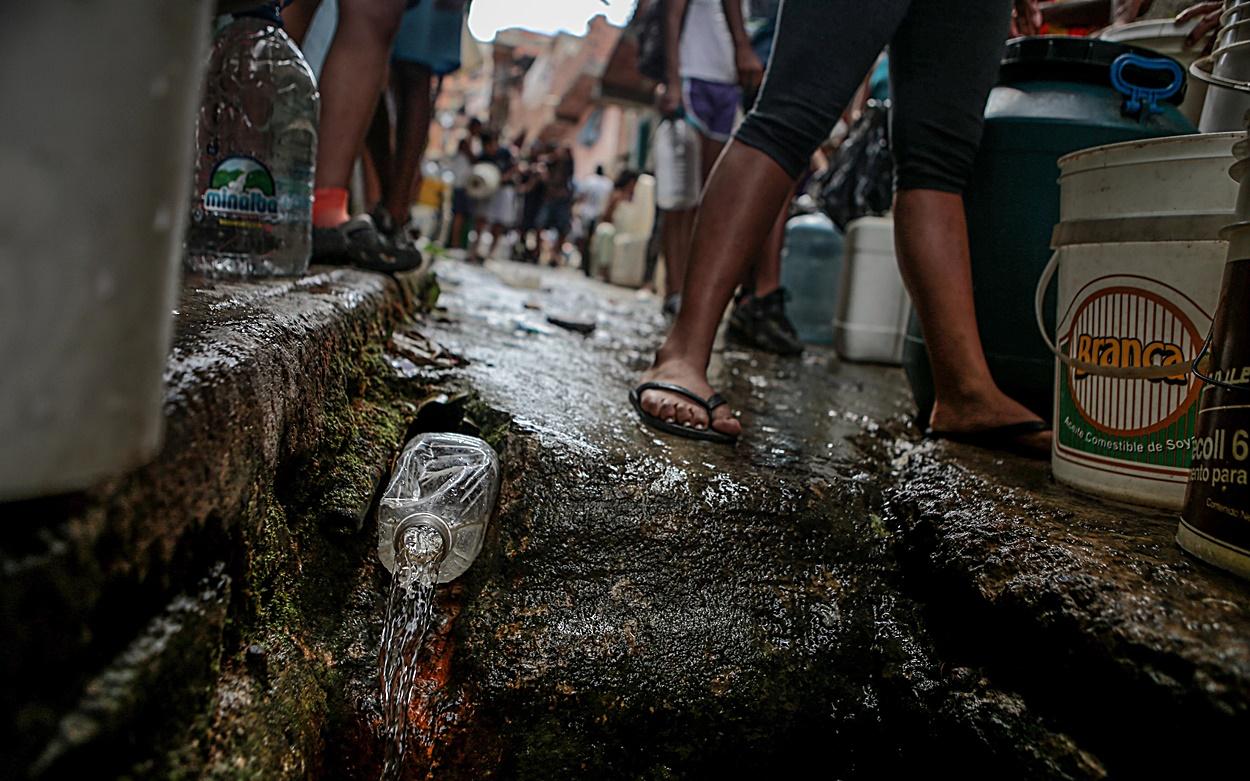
[[407, 619]]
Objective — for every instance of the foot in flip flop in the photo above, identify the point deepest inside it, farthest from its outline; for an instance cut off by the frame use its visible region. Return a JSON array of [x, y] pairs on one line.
[[688, 407], [996, 423]]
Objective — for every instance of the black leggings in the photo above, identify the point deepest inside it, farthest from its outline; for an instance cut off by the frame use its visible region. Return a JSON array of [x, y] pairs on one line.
[[944, 58]]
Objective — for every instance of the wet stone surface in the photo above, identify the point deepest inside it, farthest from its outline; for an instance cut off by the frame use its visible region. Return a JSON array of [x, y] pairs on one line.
[[832, 593], [653, 607]]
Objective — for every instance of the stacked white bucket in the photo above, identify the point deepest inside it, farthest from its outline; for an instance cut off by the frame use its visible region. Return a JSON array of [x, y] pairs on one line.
[[1140, 260], [1227, 69], [96, 150]]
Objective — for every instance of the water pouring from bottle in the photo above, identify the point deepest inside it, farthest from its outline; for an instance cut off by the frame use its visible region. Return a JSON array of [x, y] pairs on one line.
[[431, 523]]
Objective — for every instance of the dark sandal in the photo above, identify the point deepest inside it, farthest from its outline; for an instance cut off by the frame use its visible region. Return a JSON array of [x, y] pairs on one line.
[[708, 434], [358, 243], [1005, 438]]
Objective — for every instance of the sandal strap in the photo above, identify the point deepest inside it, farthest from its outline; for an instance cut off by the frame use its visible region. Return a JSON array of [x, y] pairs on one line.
[[714, 401], [680, 391]]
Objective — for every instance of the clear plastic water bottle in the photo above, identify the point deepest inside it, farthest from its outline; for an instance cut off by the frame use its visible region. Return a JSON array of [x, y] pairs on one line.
[[447, 482], [256, 139]]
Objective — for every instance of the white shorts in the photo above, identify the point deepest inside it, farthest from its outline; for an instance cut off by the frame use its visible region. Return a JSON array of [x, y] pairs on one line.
[[501, 208]]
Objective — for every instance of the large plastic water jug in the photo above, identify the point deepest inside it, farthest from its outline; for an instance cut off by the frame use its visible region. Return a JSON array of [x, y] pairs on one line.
[[629, 260], [601, 245], [811, 270], [1055, 96], [871, 319], [96, 145]]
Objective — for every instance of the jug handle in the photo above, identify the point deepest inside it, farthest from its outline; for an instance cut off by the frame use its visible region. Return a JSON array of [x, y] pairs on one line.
[[1140, 100], [1098, 370]]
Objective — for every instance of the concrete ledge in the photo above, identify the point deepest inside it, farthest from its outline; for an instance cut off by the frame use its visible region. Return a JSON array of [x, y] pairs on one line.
[[1087, 608], [257, 375]]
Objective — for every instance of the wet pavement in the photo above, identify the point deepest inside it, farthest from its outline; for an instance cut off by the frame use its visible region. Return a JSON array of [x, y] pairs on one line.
[[832, 590], [833, 593]]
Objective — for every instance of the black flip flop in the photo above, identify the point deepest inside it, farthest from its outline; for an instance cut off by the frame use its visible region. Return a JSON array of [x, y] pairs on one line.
[[707, 435], [1005, 438]]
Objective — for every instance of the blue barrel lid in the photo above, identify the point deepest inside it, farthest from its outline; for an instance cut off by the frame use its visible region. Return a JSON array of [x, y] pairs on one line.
[[1080, 60]]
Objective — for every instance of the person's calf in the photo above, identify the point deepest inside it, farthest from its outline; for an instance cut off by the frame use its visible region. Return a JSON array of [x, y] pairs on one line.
[[379, 18]]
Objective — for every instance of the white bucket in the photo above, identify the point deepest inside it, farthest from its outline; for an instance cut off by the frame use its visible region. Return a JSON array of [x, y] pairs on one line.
[[96, 148], [1166, 37], [1227, 69], [1138, 282], [870, 323]]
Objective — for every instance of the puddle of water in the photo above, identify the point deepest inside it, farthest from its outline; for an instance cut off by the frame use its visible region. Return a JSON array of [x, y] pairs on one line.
[[408, 614]]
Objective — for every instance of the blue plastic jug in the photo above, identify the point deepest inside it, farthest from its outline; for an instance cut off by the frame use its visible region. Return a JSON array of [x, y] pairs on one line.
[[811, 270]]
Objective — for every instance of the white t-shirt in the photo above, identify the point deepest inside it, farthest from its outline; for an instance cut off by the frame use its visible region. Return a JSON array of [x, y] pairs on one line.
[[707, 49], [597, 190], [461, 168]]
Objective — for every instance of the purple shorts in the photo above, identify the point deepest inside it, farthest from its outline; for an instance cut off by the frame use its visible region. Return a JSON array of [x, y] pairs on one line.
[[711, 107]]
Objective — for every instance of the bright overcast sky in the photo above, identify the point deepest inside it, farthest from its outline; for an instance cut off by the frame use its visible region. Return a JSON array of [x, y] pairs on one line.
[[486, 17]]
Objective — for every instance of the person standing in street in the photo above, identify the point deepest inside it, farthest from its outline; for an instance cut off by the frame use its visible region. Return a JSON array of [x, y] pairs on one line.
[[427, 47], [461, 168], [556, 212], [350, 86], [711, 65], [944, 60], [499, 212], [758, 318], [591, 195]]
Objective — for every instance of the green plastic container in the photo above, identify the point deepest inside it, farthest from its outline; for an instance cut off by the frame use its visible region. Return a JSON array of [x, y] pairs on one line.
[[1055, 95]]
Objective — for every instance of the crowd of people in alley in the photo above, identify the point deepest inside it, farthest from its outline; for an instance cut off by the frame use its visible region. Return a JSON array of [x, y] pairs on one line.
[[752, 98]]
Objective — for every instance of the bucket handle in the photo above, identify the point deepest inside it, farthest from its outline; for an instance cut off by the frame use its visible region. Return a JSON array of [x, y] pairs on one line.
[[1140, 100], [1098, 370]]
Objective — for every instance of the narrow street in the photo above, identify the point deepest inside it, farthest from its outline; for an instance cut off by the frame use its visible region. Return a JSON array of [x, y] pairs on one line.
[[831, 592], [325, 321]]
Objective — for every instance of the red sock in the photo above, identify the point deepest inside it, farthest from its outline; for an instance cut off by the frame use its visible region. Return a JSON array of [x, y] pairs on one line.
[[330, 207]]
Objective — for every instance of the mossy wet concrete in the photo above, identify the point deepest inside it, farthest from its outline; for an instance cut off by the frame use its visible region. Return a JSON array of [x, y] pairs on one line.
[[832, 593]]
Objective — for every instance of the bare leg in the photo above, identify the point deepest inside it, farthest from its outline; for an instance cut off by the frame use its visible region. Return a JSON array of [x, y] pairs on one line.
[[675, 243], [728, 232], [766, 275], [379, 143], [479, 226], [413, 110], [298, 17], [932, 238], [709, 150], [349, 83], [457, 231]]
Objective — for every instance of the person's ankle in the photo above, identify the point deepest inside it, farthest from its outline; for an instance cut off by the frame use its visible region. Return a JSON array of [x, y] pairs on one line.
[[330, 207], [671, 355]]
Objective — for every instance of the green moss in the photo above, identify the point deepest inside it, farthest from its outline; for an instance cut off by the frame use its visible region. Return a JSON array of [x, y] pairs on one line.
[[492, 425]]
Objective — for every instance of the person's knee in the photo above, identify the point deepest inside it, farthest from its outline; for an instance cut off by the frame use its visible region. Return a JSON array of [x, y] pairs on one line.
[[788, 137], [380, 17], [936, 153]]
